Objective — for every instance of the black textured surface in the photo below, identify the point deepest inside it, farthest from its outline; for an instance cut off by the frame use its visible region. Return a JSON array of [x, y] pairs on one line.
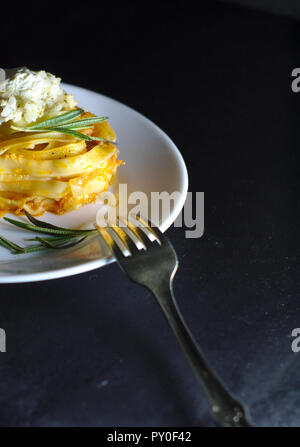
[[95, 349]]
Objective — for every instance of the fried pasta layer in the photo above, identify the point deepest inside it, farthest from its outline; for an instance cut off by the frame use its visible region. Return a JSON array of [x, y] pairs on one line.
[[53, 171]]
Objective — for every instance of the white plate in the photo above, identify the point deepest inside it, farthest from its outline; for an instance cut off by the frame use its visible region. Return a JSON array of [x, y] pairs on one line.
[[153, 164]]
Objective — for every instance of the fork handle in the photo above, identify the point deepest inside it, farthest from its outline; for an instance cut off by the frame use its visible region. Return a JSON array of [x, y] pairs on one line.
[[225, 410]]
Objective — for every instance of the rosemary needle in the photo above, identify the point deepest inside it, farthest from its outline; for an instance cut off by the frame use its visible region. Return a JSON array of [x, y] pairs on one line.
[[58, 238], [67, 123]]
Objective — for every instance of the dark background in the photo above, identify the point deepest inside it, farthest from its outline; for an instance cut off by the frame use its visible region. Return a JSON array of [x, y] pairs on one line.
[[289, 8], [95, 349]]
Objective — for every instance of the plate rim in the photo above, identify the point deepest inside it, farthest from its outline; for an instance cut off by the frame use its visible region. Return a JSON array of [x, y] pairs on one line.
[[93, 265]]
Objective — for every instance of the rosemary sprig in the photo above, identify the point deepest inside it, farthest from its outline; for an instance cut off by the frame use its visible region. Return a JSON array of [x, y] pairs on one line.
[[58, 120], [59, 244], [42, 224], [78, 135], [11, 245], [29, 227], [67, 123], [59, 237], [80, 124]]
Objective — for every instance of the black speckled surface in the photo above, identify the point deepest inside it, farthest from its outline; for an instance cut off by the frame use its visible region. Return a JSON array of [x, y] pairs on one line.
[[95, 349]]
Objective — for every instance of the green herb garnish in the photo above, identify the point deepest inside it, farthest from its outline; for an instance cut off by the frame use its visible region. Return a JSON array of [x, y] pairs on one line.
[[68, 124], [58, 238]]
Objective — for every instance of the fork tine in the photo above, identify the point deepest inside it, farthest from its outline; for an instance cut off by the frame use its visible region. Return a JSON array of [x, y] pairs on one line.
[[119, 255], [109, 241], [131, 244], [123, 236], [138, 232], [144, 237], [153, 228]]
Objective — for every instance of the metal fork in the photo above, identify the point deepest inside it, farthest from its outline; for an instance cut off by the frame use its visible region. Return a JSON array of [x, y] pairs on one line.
[[153, 264]]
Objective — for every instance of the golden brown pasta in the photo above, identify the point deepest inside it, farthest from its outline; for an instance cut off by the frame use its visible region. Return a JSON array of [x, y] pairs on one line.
[[53, 171]]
